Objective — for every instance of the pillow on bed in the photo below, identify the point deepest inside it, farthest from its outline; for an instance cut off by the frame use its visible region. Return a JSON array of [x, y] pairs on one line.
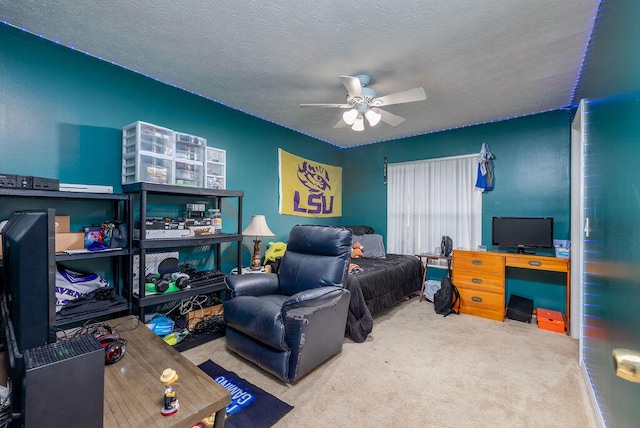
[[360, 230], [372, 244]]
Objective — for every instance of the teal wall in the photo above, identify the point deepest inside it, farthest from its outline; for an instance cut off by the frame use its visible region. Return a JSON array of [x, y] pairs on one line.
[[531, 179], [611, 86], [531, 169], [62, 113]]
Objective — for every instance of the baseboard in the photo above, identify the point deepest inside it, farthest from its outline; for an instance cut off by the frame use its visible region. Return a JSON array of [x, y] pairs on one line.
[[592, 395]]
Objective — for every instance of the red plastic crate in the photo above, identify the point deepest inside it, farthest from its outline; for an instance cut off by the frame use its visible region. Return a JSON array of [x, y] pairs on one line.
[[550, 320]]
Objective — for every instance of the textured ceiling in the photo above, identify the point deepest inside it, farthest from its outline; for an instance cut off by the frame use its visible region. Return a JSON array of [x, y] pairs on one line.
[[478, 61]]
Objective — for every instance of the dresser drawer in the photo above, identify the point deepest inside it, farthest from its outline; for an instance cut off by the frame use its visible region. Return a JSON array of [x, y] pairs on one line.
[[477, 261], [482, 304], [540, 263], [479, 281]]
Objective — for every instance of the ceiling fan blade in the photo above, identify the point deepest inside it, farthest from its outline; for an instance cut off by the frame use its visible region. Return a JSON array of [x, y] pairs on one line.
[[353, 85], [390, 118], [327, 105], [416, 94]]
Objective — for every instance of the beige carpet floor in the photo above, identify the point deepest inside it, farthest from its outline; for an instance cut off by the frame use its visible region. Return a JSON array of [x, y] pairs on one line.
[[419, 369]]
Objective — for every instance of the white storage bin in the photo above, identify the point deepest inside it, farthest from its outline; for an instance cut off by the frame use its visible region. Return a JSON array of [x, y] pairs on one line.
[[154, 154], [190, 147], [145, 137], [147, 153], [190, 139], [151, 169], [216, 168], [189, 174], [215, 183]]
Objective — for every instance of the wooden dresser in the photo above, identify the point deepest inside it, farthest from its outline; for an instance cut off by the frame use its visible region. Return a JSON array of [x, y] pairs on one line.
[[480, 278]]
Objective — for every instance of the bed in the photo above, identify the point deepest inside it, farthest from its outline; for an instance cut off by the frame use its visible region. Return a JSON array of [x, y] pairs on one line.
[[381, 281]]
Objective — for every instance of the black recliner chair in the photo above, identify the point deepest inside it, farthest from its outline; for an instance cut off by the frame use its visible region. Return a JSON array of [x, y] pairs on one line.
[[290, 322]]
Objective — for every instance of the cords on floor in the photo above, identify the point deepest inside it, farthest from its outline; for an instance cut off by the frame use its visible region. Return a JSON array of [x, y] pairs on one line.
[[211, 324], [206, 324]]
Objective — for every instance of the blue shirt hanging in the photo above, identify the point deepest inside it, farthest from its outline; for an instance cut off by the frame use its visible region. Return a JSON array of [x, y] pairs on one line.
[[484, 183]]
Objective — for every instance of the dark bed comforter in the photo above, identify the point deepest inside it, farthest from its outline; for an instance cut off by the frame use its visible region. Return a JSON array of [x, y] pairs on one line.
[[379, 285]]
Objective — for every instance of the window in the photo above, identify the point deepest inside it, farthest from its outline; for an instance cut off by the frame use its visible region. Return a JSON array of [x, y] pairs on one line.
[[431, 198]]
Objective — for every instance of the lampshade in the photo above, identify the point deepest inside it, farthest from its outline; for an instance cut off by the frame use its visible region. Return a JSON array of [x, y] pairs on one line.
[[258, 227], [350, 116], [372, 117], [358, 124]]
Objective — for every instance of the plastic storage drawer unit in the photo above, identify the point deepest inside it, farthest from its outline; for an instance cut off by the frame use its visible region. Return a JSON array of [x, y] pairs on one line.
[[147, 153]]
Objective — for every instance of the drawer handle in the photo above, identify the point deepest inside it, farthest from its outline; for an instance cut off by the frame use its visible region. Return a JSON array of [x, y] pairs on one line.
[[476, 280], [476, 299], [535, 263], [476, 262]]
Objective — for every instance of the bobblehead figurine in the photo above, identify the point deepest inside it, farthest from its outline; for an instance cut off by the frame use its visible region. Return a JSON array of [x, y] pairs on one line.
[[171, 406]]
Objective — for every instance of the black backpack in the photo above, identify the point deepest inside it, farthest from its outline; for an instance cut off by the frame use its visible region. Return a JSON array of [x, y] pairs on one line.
[[445, 299]]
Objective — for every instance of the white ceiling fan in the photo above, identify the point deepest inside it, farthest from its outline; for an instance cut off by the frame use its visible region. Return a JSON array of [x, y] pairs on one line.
[[362, 103]]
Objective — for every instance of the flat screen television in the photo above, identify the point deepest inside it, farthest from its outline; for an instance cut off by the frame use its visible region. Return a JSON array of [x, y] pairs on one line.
[[27, 301], [523, 233], [29, 265]]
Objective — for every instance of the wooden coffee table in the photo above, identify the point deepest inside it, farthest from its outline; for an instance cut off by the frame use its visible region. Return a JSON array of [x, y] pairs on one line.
[[133, 393]]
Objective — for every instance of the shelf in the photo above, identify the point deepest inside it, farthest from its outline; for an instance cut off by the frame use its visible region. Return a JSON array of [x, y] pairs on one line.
[[122, 307], [155, 299], [144, 193], [61, 195], [116, 207], [179, 190], [187, 242], [91, 255], [191, 342]]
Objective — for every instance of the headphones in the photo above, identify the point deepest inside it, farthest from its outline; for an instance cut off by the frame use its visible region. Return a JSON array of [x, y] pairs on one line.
[[113, 345]]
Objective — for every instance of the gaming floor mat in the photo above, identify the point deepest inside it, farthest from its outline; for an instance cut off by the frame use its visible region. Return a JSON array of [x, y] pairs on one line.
[[250, 406]]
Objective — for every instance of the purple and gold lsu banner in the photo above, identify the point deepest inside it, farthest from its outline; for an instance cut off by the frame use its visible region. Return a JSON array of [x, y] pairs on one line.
[[308, 188]]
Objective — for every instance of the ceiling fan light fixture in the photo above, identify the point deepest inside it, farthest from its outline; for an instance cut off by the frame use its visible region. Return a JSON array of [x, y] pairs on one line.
[[372, 117], [358, 124], [350, 116]]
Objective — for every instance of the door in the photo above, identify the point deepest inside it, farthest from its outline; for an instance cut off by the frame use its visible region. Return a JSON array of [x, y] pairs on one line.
[[577, 221], [611, 252]]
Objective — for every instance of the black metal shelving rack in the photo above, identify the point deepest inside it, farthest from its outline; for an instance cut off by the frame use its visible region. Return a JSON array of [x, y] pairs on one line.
[[141, 245], [121, 259]]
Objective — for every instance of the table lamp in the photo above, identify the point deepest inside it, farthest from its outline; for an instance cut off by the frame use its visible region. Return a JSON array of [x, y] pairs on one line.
[[257, 228]]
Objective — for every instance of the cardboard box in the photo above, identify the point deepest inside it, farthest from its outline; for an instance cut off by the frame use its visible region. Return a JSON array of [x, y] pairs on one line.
[[69, 241], [194, 317], [550, 320], [63, 224], [64, 241]]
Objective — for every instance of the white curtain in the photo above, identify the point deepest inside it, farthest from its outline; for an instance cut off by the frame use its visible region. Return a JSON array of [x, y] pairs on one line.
[[431, 198]]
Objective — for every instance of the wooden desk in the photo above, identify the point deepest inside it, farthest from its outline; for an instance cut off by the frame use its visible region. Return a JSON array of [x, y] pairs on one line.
[[133, 393], [427, 257], [480, 278]]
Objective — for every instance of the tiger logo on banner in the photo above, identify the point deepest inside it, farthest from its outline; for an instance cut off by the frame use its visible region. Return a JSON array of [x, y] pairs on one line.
[[308, 188]]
